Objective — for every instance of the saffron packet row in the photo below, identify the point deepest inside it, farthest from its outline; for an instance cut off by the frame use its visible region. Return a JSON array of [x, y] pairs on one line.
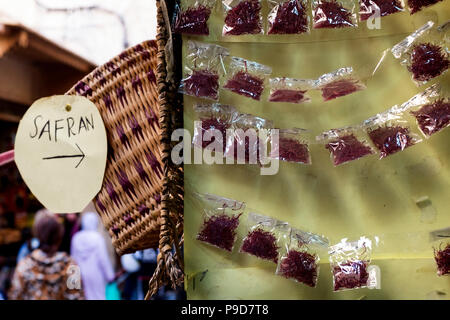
[[242, 17], [385, 134], [424, 53], [335, 84], [228, 224], [391, 131], [247, 138], [295, 252], [208, 64]]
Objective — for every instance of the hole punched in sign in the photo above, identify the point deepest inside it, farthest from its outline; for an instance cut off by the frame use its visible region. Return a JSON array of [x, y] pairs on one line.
[[68, 108]]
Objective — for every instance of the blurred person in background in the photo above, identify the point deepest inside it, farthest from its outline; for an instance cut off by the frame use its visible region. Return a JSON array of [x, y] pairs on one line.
[[30, 243], [89, 251], [131, 266], [46, 274], [139, 267], [71, 223], [148, 259], [29, 236]]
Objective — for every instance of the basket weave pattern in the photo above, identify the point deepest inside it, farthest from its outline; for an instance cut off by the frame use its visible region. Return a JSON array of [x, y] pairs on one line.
[[125, 92]]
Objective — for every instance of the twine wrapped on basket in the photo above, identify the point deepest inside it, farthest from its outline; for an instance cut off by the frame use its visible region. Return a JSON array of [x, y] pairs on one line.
[[141, 199]]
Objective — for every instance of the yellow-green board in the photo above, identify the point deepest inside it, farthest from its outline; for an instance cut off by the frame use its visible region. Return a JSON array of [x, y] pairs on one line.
[[365, 197]]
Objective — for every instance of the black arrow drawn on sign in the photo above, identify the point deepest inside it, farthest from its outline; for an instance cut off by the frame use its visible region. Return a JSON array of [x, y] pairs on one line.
[[82, 156]]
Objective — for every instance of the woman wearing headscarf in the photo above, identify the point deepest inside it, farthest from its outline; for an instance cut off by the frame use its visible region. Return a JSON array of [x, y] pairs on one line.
[[89, 251], [47, 274]]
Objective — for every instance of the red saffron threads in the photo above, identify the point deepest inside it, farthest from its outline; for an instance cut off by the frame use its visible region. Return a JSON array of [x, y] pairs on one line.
[[193, 21], [340, 88], [347, 148], [350, 275], [244, 18], [433, 117], [427, 61], [248, 149], [215, 124], [291, 18], [202, 83], [261, 244], [442, 258], [387, 7], [245, 84], [300, 266], [287, 95], [417, 5], [293, 151], [391, 139], [220, 231], [331, 14]]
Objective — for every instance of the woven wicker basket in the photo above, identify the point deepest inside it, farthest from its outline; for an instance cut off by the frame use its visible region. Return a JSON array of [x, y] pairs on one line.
[[141, 200]]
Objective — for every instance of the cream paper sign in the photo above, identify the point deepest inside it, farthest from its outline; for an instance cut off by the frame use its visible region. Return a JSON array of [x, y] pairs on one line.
[[60, 151]]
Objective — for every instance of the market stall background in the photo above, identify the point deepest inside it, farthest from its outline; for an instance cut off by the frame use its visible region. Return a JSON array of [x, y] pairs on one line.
[[368, 197], [46, 47], [97, 30]]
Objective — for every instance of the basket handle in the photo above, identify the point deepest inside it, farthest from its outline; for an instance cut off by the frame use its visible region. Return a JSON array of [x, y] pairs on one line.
[[169, 267]]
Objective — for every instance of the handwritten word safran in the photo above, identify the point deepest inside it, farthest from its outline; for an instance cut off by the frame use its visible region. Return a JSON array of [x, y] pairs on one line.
[[69, 126]]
